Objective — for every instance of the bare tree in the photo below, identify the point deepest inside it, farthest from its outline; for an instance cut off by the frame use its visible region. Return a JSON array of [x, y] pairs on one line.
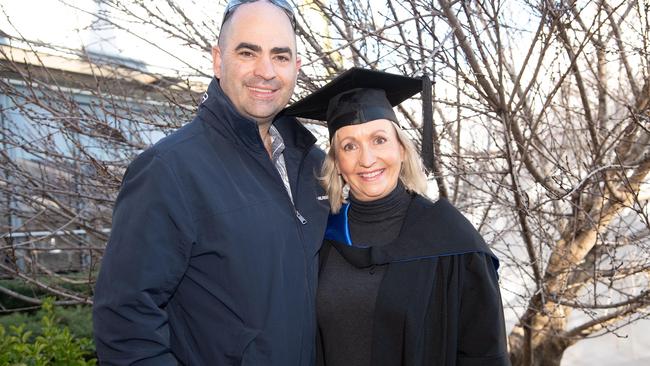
[[542, 137], [71, 122], [567, 106]]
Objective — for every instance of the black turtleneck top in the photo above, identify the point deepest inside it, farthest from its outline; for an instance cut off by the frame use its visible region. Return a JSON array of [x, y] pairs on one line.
[[346, 295]]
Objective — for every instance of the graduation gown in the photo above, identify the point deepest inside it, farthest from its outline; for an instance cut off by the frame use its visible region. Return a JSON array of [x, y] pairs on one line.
[[438, 302]]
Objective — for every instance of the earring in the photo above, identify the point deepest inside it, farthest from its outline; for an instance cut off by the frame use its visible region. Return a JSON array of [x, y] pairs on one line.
[[345, 188], [345, 192]]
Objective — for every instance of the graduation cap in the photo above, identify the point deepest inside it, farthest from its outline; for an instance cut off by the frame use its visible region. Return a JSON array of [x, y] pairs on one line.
[[359, 95]]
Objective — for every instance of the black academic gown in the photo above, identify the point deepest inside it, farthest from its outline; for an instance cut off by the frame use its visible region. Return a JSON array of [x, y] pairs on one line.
[[439, 300]]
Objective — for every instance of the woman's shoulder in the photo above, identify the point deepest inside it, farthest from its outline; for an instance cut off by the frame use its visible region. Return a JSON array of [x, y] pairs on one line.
[[442, 215], [438, 228]]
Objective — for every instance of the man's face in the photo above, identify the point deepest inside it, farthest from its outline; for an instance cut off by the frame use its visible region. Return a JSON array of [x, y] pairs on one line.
[[256, 61]]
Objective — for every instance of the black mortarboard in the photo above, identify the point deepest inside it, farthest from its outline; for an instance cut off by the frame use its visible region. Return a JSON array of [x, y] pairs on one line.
[[361, 95], [356, 96]]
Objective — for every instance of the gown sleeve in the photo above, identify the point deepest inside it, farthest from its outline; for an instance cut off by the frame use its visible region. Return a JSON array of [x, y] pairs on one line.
[[146, 256], [482, 335]]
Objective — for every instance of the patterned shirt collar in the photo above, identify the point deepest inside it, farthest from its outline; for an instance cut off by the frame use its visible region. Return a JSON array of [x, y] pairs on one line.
[[277, 144], [277, 157]]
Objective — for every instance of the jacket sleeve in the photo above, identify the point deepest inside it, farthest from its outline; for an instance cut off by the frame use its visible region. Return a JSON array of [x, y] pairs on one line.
[[145, 258], [482, 335]]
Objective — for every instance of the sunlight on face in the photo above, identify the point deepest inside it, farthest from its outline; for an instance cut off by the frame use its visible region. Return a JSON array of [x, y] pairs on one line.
[[369, 158], [256, 63]]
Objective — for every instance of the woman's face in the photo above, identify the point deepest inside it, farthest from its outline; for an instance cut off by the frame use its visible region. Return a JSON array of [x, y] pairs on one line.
[[369, 157]]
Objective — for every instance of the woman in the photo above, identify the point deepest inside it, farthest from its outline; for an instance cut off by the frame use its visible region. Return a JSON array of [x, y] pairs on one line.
[[403, 280]]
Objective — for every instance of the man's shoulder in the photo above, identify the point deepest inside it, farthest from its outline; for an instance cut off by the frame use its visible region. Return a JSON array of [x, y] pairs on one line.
[[317, 154], [186, 136], [177, 146]]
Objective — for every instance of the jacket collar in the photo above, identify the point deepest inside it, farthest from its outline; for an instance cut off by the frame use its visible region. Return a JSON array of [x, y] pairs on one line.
[[219, 112], [293, 132]]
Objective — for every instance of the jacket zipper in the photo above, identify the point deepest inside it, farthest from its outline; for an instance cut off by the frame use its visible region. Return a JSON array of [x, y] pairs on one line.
[[300, 217], [302, 221], [292, 199]]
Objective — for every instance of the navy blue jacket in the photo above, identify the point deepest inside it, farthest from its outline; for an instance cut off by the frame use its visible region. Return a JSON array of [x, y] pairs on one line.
[[208, 262]]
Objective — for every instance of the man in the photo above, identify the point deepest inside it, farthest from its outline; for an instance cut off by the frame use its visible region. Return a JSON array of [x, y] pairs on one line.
[[212, 255]]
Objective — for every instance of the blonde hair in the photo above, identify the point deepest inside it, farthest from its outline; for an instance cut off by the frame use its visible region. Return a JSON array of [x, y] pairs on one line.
[[411, 174]]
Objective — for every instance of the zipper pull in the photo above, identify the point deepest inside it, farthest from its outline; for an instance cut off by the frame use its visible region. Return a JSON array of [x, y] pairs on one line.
[[301, 218]]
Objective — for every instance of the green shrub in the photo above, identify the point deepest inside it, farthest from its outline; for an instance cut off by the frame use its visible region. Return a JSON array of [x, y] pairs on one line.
[[55, 346], [27, 289], [77, 318]]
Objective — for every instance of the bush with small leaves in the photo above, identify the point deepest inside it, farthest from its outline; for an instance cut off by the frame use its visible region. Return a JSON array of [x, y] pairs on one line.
[[55, 346]]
